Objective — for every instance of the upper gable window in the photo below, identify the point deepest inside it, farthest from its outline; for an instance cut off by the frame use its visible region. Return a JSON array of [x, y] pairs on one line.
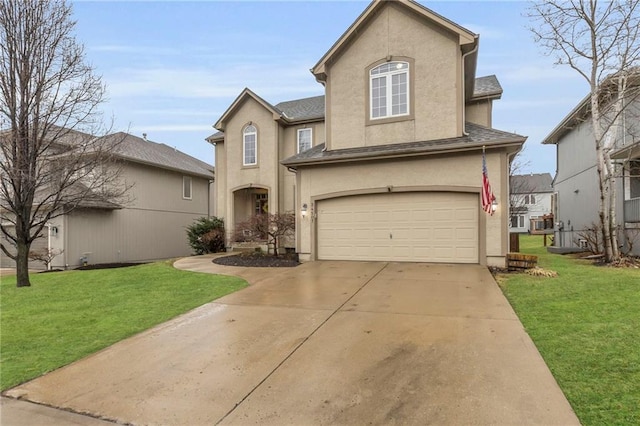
[[250, 145], [304, 139], [389, 90]]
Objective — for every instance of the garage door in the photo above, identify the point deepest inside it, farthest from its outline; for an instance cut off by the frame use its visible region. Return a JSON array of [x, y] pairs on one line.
[[410, 227]]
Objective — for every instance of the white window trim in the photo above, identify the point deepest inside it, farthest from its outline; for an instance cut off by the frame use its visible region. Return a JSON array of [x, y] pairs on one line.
[[389, 89], [186, 179], [300, 131], [244, 146]]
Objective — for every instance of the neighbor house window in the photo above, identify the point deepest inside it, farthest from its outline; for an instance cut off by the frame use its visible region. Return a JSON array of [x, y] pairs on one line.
[[389, 90], [517, 221], [186, 187], [304, 140], [530, 199], [250, 145]]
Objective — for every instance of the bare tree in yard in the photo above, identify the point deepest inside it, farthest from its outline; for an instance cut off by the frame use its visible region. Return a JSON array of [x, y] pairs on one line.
[[48, 100], [272, 227], [518, 188], [601, 42]]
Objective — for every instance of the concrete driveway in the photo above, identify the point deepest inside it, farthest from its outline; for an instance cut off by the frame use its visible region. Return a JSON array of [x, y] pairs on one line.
[[323, 343]]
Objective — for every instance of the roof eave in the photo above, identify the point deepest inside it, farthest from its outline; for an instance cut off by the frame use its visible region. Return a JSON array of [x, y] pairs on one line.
[[221, 123], [515, 143], [567, 123], [465, 36], [165, 167]]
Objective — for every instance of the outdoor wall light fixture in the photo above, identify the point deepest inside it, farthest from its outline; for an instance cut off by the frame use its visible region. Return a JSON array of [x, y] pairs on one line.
[[494, 206], [303, 211]]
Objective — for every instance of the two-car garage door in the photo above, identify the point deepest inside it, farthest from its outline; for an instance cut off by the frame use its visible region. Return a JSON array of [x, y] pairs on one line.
[[405, 226]]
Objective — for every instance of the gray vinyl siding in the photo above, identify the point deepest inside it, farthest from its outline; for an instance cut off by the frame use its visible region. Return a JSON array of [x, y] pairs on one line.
[[150, 226], [39, 243], [576, 185]]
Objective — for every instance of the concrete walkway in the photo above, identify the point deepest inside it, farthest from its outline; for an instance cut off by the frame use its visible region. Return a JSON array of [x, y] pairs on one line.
[[322, 343]]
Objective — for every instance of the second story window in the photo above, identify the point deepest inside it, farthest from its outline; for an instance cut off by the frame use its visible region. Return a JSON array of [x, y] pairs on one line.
[[186, 187], [304, 139], [389, 90], [530, 199], [250, 145]]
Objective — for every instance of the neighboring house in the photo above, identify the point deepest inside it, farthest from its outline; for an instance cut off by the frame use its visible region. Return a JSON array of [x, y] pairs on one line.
[[169, 190], [531, 198], [388, 164], [576, 181]]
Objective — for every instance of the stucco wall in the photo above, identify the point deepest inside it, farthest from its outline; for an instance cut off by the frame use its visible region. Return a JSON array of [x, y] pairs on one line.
[[434, 76], [479, 113], [461, 172]]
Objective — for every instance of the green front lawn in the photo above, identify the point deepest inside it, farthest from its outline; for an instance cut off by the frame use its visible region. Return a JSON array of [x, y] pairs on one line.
[[586, 325], [65, 316]]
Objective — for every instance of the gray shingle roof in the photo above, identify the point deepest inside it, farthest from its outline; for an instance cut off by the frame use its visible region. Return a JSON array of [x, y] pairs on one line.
[[487, 86], [527, 184], [313, 108], [478, 136], [303, 109], [139, 150]]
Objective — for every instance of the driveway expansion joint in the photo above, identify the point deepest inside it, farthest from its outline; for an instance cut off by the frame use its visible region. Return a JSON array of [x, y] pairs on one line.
[[299, 345]]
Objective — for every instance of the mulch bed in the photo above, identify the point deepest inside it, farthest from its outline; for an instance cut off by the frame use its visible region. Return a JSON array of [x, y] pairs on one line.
[[258, 260]]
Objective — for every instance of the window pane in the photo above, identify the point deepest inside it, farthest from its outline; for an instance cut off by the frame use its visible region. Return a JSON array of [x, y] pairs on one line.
[[304, 139], [379, 97], [399, 94], [250, 148], [186, 187]]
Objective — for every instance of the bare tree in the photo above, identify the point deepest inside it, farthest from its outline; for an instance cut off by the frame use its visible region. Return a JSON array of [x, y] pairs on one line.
[[601, 42], [272, 227], [45, 256], [51, 162], [518, 188]]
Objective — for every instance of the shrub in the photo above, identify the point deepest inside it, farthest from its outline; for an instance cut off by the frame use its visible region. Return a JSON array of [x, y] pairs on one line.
[[206, 235]]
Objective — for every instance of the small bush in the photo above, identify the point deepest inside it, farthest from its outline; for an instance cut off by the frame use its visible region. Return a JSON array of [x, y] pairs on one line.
[[206, 235]]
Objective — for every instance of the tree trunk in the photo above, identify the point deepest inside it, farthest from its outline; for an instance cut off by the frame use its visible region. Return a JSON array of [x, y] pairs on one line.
[[22, 265], [603, 211]]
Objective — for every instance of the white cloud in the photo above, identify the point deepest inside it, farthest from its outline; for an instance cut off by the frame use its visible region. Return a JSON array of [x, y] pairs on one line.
[[485, 33], [172, 128], [504, 104], [276, 82], [529, 73], [134, 50]]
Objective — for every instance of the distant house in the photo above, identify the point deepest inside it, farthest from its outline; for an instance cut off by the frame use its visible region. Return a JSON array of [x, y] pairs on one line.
[[169, 191], [531, 199], [387, 165], [576, 181]]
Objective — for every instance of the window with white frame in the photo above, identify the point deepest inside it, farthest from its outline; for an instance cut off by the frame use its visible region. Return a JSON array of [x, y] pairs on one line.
[[389, 90], [186, 187], [517, 221], [250, 145], [304, 139], [530, 199]]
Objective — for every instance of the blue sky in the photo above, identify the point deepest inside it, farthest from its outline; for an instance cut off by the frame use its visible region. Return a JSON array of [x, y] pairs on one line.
[[173, 67]]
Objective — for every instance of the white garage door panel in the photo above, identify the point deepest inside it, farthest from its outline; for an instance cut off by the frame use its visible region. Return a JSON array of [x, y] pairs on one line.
[[417, 227]]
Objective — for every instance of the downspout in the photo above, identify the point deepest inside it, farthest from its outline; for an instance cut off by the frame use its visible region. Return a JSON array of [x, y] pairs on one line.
[[209, 198], [464, 98]]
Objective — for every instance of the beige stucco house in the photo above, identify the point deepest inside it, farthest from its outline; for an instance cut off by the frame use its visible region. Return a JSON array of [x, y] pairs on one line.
[[169, 190], [387, 165]]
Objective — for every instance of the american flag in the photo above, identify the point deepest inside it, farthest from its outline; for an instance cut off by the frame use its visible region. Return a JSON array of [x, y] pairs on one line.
[[487, 196]]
